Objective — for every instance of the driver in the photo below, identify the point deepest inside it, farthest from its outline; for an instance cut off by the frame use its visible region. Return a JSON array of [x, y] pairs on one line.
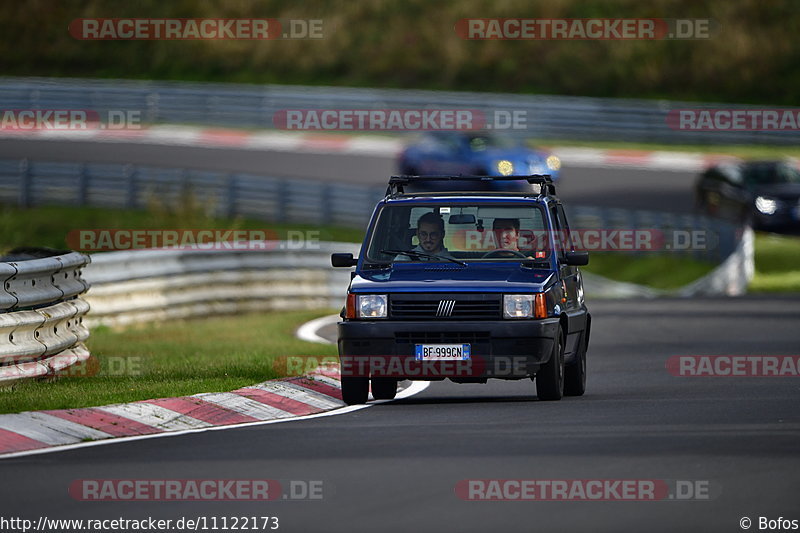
[[430, 233], [506, 232]]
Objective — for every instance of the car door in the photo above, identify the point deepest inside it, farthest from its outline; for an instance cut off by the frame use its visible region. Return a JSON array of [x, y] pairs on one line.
[[572, 284]]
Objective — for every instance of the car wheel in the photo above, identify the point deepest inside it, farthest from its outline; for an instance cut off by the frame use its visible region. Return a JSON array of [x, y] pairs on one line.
[[550, 377], [355, 390], [384, 388], [575, 372]]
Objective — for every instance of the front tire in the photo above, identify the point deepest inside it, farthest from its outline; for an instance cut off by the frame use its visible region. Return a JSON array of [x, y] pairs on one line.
[[550, 377], [384, 388], [575, 372], [355, 390]]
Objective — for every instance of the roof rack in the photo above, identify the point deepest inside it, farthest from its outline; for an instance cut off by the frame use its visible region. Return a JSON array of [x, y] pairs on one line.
[[397, 183]]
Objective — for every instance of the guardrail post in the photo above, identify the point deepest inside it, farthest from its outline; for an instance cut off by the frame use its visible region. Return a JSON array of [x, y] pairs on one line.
[[131, 181], [327, 204], [25, 183], [152, 100], [83, 186], [230, 197], [282, 200]]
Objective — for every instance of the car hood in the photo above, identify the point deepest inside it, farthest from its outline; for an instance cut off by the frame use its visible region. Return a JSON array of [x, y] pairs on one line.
[[784, 191], [437, 277]]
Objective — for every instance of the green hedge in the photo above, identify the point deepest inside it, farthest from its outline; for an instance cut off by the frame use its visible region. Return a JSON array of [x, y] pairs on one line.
[[752, 57]]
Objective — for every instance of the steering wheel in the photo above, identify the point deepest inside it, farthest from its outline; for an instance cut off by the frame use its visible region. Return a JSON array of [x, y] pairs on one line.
[[501, 251]]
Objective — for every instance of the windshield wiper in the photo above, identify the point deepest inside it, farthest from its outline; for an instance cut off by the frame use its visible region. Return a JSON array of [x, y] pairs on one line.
[[412, 253]]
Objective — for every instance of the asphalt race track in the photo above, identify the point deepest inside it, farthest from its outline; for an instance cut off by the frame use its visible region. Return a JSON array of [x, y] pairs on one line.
[[394, 466], [618, 187]]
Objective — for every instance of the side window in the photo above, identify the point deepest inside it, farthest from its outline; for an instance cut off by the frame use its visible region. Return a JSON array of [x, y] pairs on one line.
[[562, 221], [560, 233]]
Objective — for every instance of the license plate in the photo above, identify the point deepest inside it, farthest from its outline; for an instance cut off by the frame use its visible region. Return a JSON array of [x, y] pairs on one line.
[[442, 352]]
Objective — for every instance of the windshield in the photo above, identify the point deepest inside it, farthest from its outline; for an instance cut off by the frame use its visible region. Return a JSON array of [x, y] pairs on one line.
[[479, 142], [771, 173], [459, 232]]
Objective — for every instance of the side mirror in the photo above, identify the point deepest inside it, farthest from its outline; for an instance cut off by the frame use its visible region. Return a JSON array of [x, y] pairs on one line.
[[343, 260], [577, 258]]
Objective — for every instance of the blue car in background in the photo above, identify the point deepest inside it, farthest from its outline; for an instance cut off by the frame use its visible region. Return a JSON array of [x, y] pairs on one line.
[[476, 154]]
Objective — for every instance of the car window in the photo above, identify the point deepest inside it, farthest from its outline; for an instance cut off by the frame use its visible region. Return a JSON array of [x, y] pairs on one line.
[[464, 231], [448, 141], [771, 173], [482, 142], [561, 237]]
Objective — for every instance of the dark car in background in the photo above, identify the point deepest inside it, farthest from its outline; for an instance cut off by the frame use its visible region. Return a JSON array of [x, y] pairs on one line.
[[474, 153], [765, 194]]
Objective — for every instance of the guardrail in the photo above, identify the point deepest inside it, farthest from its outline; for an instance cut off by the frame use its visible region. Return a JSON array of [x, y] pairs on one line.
[[548, 117], [41, 316], [730, 278], [151, 285], [279, 199], [276, 199]]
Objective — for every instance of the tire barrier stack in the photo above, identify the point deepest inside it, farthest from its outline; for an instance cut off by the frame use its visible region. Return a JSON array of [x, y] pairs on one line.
[[41, 313]]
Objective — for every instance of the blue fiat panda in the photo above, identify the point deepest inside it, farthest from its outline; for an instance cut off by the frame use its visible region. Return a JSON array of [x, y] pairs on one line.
[[465, 278]]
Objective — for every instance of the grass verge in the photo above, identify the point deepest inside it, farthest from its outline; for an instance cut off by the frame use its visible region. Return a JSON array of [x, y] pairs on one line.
[[777, 263], [187, 357], [49, 226], [659, 271], [745, 151]]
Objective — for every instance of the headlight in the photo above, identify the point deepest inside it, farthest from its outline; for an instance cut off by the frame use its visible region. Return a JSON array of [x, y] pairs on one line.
[[505, 167], [371, 305], [518, 305], [765, 205], [553, 163]]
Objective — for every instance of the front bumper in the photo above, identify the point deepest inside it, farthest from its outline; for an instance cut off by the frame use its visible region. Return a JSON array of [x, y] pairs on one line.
[[508, 349]]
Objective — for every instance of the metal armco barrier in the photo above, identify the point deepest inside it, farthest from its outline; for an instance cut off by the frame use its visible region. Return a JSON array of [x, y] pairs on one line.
[[41, 316], [270, 198], [548, 117], [730, 278], [151, 285], [279, 199]]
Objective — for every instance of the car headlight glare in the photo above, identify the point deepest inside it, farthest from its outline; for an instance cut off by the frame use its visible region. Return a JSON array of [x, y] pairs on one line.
[[553, 163], [765, 205], [371, 306], [518, 306], [505, 167]]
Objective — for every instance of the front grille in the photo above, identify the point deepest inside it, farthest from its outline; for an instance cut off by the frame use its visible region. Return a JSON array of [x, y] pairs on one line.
[[441, 337], [445, 307]]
